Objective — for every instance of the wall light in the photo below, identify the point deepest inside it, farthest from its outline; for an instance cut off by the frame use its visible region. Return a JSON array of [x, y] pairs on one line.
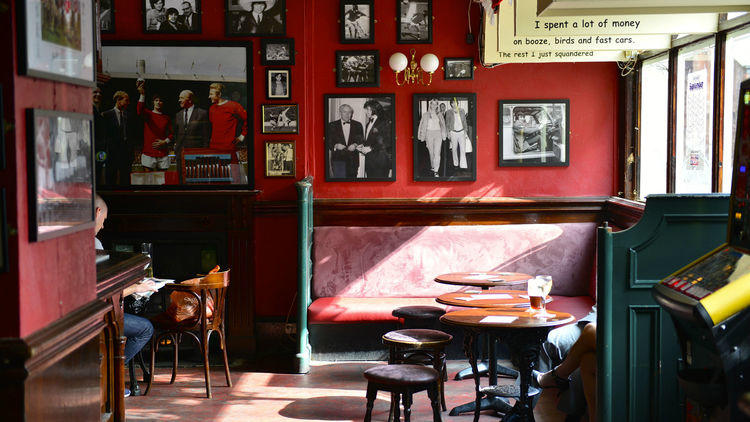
[[413, 74]]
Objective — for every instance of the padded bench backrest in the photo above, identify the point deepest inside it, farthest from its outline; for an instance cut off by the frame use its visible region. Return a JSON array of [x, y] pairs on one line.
[[402, 261]]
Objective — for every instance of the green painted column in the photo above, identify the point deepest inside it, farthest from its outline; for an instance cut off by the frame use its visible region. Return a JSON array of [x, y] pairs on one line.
[[304, 272]]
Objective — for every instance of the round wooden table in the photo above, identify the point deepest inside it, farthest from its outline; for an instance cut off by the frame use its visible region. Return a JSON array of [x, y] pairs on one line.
[[488, 299], [484, 279], [524, 334]]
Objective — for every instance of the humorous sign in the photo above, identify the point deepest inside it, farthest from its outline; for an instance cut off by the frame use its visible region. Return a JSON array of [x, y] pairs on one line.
[[528, 24], [508, 42]]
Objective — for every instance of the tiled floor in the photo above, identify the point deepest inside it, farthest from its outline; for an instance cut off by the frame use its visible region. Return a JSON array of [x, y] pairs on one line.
[[330, 392]]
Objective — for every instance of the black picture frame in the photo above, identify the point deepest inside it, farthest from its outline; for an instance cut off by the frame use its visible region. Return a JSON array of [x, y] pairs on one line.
[[452, 157], [534, 133], [279, 90], [239, 21], [277, 51], [155, 21], [357, 23], [106, 19], [375, 163], [414, 21], [458, 68], [357, 68], [279, 118], [228, 62], [3, 233], [2, 130], [280, 159], [60, 173], [39, 40]]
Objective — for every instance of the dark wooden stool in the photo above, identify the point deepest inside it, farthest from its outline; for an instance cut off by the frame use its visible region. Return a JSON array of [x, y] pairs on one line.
[[402, 381], [418, 345], [419, 316]]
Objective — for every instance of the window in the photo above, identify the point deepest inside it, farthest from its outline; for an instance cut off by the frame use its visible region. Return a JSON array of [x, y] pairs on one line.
[[652, 173], [693, 135], [736, 70]]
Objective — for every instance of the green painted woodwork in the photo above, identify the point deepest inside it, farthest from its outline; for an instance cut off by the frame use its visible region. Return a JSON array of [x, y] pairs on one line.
[[637, 346], [304, 272]]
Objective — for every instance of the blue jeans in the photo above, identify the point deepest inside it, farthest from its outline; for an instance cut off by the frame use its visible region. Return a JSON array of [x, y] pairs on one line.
[[138, 331]]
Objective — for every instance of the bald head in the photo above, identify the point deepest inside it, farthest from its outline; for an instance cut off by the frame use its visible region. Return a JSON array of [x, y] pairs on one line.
[[100, 213], [186, 98]]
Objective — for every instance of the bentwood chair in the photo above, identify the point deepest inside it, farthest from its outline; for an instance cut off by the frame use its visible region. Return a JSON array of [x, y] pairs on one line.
[[199, 328]]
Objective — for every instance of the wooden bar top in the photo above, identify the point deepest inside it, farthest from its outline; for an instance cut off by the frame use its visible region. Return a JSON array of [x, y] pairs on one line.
[[119, 271]]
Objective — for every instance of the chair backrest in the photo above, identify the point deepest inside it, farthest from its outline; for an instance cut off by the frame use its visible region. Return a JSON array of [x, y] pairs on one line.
[[216, 286]]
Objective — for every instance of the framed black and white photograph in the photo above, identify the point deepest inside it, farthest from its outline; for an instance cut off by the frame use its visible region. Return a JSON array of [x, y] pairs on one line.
[[279, 84], [172, 16], [60, 172], [458, 68], [106, 17], [357, 68], [414, 21], [194, 115], [57, 43], [280, 118], [357, 21], [255, 18], [277, 51], [280, 159], [445, 137], [360, 137], [534, 132]]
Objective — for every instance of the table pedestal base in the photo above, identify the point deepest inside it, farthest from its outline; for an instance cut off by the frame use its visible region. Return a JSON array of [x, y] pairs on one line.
[[497, 404], [483, 369]]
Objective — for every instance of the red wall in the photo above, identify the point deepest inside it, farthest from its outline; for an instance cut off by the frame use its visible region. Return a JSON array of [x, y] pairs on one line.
[[591, 89]]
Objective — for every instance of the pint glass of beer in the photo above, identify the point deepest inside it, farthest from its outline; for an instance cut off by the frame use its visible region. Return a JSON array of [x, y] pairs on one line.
[[538, 288]]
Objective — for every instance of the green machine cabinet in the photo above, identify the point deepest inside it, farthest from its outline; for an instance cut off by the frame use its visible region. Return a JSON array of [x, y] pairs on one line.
[[638, 350]]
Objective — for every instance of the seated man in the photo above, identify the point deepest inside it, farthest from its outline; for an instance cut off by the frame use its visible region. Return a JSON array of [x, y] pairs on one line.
[[137, 330]]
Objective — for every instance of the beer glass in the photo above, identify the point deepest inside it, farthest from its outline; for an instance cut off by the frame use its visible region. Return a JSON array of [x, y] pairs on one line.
[[538, 288]]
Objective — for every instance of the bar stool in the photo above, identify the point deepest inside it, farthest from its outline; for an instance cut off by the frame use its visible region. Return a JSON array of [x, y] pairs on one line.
[[419, 316], [402, 380], [423, 346]]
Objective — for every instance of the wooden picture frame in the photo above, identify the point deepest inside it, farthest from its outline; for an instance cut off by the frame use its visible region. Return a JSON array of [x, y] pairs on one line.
[[414, 21], [534, 133], [60, 173], [445, 140], [357, 22], [279, 84], [279, 118], [157, 21], [241, 22], [458, 68], [369, 153], [280, 159], [357, 68], [44, 33], [277, 51]]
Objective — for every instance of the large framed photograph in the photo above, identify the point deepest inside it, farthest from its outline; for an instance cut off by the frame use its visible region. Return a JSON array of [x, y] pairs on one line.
[[172, 16], [191, 131], [57, 42], [280, 159], [445, 137], [255, 18], [277, 51], [357, 21], [280, 118], [534, 132], [414, 21], [106, 16], [279, 84], [360, 137], [357, 68], [60, 173], [458, 68]]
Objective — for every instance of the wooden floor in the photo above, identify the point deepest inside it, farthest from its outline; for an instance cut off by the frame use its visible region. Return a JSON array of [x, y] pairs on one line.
[[332, 391]]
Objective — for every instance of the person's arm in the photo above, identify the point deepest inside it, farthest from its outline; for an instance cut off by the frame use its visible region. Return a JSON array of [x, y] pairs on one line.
[[141, 287], [240, 113]]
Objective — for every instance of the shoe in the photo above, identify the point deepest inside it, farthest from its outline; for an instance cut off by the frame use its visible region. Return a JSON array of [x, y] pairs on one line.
[[559, 382], [127, 393]]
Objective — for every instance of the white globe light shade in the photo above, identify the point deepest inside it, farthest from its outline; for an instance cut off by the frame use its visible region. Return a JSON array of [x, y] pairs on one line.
[[429, 63], [398, 62]]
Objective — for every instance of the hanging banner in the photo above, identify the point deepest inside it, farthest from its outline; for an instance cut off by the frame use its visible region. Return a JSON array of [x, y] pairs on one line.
[[528, 24], [508, 42], [491, 54]]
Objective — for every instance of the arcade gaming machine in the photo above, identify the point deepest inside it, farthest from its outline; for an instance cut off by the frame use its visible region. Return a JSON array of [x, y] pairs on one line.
[[709, 301]]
